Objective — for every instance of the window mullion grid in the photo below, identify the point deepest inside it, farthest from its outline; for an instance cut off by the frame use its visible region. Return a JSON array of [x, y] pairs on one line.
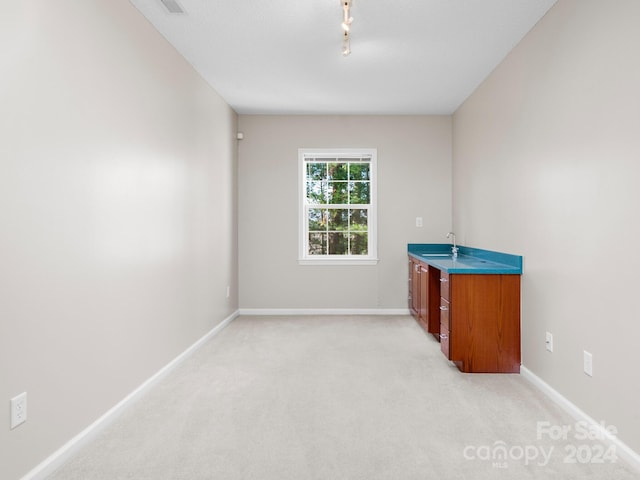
[[339, 206], [308, 239], [348, 209], [327, 207]]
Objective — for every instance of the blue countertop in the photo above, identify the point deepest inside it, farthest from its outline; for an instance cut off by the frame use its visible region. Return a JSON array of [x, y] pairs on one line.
[[470, 260]]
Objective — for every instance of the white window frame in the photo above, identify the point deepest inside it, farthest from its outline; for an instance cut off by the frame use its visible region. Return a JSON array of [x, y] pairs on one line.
[[372, 224]]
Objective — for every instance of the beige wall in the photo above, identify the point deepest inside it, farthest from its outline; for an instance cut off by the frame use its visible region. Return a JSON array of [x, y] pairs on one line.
[[117, 208], [414, 179], [546, 164]]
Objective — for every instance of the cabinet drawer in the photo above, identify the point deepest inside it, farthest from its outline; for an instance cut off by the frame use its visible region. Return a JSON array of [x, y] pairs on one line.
[[445, 308], [444, 342], [444, 285]]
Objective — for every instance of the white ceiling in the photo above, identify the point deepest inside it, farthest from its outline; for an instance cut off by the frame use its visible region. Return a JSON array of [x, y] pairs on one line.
[[285, 56]]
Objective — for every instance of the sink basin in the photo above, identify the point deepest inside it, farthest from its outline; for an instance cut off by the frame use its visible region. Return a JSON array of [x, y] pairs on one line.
[[468, 261]]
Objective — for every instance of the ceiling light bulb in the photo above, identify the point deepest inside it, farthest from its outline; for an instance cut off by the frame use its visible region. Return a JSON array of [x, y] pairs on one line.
[[346, 45], [347, 19]]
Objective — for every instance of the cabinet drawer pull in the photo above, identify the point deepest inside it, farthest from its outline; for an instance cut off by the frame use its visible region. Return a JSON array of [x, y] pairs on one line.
[[443, 336], [416, 268], [443, 308], [443, 280]]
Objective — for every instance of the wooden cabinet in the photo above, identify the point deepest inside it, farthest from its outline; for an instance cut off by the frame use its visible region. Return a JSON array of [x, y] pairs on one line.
[[424, 295], [470, 302], [414, 286], [480, 322]]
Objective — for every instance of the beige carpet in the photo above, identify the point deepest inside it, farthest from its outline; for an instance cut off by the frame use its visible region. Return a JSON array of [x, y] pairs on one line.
[[278, 398]]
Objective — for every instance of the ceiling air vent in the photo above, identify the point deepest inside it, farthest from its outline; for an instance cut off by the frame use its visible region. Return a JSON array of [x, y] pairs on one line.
[[172, 6]]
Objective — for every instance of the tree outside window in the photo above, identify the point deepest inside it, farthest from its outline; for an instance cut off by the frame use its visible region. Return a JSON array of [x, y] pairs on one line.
[[338, 210]]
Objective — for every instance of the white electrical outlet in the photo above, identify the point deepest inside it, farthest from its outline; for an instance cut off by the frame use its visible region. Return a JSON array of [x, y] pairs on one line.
[[549, 342], [588, 363], [419, 222], [228, 291], [18, 410]]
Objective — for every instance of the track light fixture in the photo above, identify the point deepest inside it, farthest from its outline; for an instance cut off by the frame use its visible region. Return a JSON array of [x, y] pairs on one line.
[[347, 20]]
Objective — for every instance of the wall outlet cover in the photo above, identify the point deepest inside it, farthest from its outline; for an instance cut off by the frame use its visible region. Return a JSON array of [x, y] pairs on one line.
[[18, 410]]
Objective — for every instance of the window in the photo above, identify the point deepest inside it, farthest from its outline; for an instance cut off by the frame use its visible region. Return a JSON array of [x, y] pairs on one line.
[[338, 206]]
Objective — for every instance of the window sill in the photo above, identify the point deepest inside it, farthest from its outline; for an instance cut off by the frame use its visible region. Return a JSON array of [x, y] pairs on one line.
[[337, 261]]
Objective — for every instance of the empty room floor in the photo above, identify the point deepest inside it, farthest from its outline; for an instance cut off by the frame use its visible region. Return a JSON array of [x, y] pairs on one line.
[[337, 397]]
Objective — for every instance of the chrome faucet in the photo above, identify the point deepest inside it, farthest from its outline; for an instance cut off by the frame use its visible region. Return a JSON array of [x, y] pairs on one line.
[[454, 249]]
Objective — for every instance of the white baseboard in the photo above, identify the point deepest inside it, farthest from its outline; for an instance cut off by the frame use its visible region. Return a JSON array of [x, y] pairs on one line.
[[622, 449], [64, 453], [324, 311]]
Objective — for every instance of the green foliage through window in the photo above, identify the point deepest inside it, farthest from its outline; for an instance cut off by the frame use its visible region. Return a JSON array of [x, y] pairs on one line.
[[337, 205]]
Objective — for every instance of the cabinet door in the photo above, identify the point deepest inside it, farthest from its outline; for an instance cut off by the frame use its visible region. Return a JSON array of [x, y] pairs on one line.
[[414, 287], [410, 287], [423, 310], [485, 322], [412, 280]]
